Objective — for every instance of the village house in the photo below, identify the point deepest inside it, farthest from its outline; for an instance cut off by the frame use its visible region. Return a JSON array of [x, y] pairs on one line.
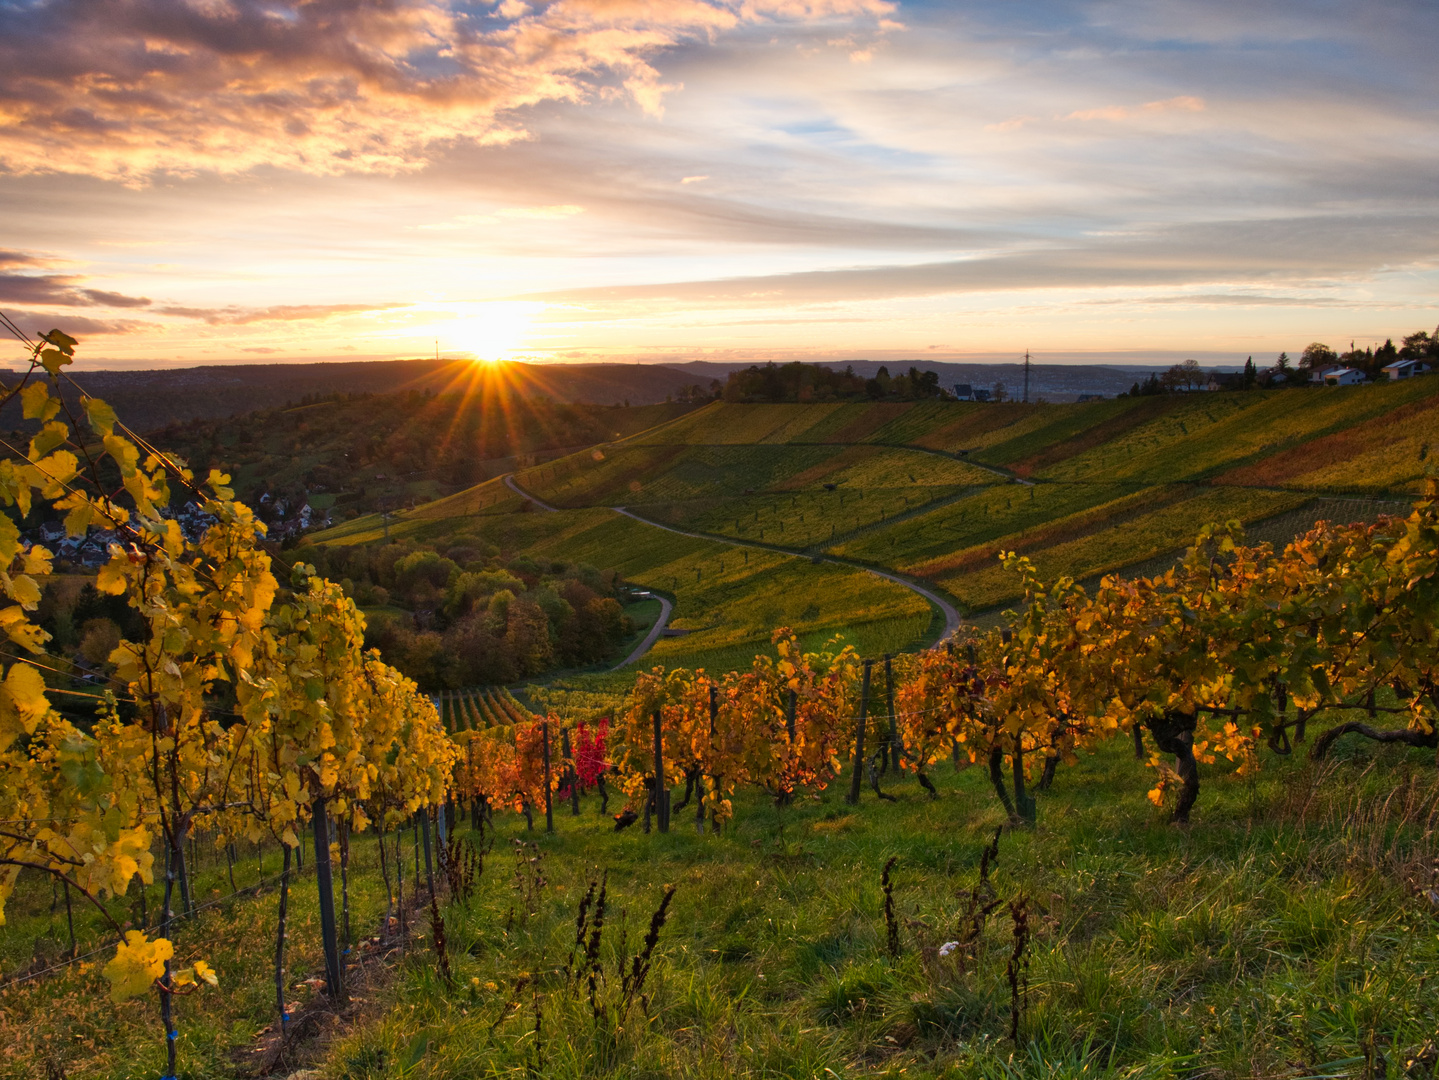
[[1405, 369]]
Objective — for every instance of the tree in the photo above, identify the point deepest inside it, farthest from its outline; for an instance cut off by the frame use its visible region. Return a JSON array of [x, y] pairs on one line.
[[1419, 346], [1316, 357]]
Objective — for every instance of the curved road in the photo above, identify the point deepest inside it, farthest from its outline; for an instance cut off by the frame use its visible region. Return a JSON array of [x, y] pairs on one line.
[[654, 635], [948, 610], [951, 614], [666, 608], [522, 493]]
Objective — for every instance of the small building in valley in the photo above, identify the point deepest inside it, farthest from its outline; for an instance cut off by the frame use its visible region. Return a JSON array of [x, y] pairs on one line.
[[1344, 376]]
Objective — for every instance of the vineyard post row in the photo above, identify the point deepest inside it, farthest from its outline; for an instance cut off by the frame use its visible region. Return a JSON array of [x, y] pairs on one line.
[[254, 708], [1209, 659], [240, 706]]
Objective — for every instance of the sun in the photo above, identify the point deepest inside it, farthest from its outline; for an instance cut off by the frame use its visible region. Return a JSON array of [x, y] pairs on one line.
[[488, 332]]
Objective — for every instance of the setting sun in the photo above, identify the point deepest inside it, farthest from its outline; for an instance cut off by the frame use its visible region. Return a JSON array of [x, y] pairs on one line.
[[487, 332]]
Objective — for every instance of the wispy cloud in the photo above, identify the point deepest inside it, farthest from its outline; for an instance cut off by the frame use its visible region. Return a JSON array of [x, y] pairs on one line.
[[773, 174], [1182, 103], [40, 322], [1298, 250], [127, 88], [237, 316], [61, 290], [512, 213]]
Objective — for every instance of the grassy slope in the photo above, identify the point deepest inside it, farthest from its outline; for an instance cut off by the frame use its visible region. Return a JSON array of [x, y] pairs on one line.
[[1112, 483], [1277, 937]]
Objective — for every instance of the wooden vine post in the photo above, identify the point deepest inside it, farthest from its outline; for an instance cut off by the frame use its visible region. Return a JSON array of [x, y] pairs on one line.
[[571, 775], [549, 799], [424, 815], [857, 771], [714, 778], [896, 745], [661, 789], [320, 820]]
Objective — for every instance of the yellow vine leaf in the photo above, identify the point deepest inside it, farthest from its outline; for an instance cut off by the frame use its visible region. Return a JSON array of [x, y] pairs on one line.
[[37, 403], [100, 415], [138, 963], [111, 578]]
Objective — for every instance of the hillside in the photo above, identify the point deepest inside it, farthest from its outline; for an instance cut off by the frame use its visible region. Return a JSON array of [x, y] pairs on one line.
[[933, 491], [354, 453], [150, 399]]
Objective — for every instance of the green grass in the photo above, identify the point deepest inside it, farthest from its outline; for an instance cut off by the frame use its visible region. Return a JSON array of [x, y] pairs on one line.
[[731, 600], [645, 474], [641, 475], [1036, 430], [492, 497], [926, 544], [67, 1016], [1275, 937], [1112, 547], [1286, 933], [749, 424], [810, 519], [1201, 435], [1118, 483]]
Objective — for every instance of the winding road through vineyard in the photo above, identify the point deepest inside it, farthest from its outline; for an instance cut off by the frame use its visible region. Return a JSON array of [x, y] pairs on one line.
[[948, 610]]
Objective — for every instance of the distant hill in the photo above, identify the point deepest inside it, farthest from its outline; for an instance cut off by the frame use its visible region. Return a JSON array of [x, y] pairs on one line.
[[1056, 382], [756, 516], [150, 399], [345, 454]]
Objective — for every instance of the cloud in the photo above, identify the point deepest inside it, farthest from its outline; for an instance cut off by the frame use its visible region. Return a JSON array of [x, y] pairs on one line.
[[1183, 103], [1011, 125], [693, 179], [60, 290], [40, 322], [104, 298], [238, 316], [1298, 250], [541, 213], [1260, 300], [129, 88], [520, 213], [18, 258]]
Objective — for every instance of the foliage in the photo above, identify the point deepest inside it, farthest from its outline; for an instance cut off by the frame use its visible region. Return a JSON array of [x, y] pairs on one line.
[[232, 704]]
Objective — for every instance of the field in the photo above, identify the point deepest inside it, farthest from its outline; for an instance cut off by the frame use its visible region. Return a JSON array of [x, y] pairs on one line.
[[932, 490], [1287, 933], [1283, 935], [1118, 543]]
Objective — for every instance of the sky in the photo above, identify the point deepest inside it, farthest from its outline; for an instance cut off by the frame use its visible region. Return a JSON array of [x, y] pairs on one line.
[[212, 181]]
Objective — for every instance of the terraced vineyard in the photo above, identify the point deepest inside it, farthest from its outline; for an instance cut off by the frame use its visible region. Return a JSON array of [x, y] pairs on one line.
[[791, 501], [476, 710]]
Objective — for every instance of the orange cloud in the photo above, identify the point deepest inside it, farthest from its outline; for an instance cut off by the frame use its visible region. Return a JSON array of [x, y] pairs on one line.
[[128, 88], [238, 316], [1184, 103]]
